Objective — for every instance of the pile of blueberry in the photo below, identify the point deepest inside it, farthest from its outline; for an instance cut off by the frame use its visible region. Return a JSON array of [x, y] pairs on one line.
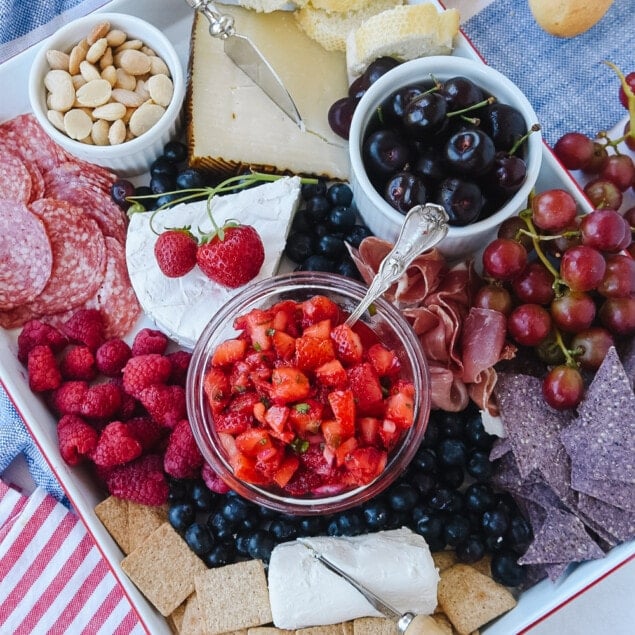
[[444, 495], [325, 221]]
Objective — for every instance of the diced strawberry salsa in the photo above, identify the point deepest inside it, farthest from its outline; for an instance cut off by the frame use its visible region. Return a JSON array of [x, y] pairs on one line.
[[304, 403]]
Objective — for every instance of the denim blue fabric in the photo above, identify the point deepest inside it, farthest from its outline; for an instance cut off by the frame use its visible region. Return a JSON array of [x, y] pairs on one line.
[[565, 80]]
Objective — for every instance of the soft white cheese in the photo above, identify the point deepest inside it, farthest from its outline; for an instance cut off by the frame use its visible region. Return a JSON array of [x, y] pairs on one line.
[[492, 424], [181, 307], [396, 565]]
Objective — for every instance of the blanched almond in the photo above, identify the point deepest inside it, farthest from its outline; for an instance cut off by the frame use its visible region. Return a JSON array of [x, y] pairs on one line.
[[145, 117], [99, 132], [57, 119], [94, 93], [96, 50], [110, 112], [125, 80], [57, 60], [117, 133], [78, 81], [106, 59], [148, 51], [89, 71], [116, 37], [134, 62], [142, 89], [77, 56], [55, 79], [98, 32], [62, 98], [77, 124], [161, 89], [158, 66], [137, 45], [128, 98], [110, 75]]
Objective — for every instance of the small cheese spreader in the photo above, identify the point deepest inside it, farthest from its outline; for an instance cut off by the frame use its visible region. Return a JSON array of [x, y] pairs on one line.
[[407, 623], [244, 53]]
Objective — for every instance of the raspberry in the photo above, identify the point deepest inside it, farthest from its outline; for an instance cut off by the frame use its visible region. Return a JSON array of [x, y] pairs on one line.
[[34, 333], [68, 398], [182, 457], [85, 326], [78, 362], [147, 432], [148, 341], [76, 438], [180, 361], [129, 405], [165, 404], [141, 481], [213, 481], [145, 370], [117, 444], [42, 368], [112, 356], [101, 401]]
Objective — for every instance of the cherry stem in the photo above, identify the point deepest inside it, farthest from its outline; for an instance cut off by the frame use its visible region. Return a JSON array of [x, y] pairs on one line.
[[524, 138], [568, 354], [480, 104], [630, 96]]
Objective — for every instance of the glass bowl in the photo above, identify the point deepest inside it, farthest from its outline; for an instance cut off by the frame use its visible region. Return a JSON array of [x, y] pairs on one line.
[[388, 325]]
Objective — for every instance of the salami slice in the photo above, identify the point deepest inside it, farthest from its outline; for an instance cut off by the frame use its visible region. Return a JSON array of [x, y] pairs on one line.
[[84, 175], [26, 256], [79, 256], [15, 178]]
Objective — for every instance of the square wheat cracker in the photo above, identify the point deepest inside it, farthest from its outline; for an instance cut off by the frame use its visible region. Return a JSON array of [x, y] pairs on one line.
[[374, 626], [269, 630], [217, 591], [343, 628], [164, 568], [113, 514], [471, 599], [142, 521]]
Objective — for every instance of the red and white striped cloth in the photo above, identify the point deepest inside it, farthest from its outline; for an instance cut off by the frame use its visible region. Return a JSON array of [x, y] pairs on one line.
[[52, 577]]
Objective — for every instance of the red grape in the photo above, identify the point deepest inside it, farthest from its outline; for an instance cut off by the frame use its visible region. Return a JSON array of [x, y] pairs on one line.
[[575, 150], [534, 285], [603, 193], [619, 169], [553, 210], [493, 296], [630, 80], [590, 346], [629, 138], [582, 268], [618, 315], [599, 159], [629, 216], [573, 311], [504, 259], [569, 237], [604, 230], [529, 324], [563, 387], [619, 278]]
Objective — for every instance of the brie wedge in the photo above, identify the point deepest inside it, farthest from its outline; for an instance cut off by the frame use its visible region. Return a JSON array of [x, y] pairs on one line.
[[182, 307], [396, 565]]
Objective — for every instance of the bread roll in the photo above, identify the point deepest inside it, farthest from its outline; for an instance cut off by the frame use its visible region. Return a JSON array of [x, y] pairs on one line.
[[567, 18]]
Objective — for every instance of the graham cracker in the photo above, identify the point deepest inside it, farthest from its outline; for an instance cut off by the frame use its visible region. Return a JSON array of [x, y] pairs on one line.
[[443, 559], [142, 521], [374, 626], [343, 628], [175, 619], [164, 568], [268, 630], [113, 513]]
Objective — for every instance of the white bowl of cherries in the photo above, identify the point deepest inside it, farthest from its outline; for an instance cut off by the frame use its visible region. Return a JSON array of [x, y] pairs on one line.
[[447, 130]]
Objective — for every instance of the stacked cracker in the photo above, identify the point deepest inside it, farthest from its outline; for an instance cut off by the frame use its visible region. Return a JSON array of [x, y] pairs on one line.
[[234, 599]]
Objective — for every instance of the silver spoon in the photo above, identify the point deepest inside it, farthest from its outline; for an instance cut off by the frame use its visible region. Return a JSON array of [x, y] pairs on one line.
[[423, 227]]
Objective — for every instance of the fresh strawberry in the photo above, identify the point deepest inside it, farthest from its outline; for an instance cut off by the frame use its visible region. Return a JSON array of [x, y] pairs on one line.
[[34, 333], [182, 457], [149, 341], [365, 385], [217, 389], [333, 431], [165, 404], [321, 330], [78, 362], [69, 397], [85, 326], [112, 356], [332, 374], [276, 417], [283, 344], [258, 326], [117, 444], [232, 422], [384, 361], [145, 370], [343, 451], [342, 404], [175, 252], [286, 470], [77, 439], [312, 352], [305, 417], [400, 408], [141, 481], [319, 308], [229, 352], [101, 401], [233, 256], [368, 430], [43, 371], [365, 463], [348, 345], [288, 384]]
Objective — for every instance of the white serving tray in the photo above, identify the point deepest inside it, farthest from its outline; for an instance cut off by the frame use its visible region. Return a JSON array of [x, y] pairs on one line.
[[174, 19]]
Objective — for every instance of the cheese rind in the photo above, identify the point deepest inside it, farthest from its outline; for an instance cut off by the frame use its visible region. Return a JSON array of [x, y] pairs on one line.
[[396, 565], [182, 307], [233, 124]]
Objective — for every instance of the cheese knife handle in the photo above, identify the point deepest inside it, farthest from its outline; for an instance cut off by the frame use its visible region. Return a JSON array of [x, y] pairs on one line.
[[220, 24], [423, 625]]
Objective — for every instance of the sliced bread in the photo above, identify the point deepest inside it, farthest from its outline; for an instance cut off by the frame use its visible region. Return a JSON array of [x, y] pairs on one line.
[[340, 6], [330, 28], [267, 6], [403, 32]]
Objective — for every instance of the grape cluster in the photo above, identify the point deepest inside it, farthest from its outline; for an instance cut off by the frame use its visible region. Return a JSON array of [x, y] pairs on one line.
[[325, 221], [566, 283], [444, 495]]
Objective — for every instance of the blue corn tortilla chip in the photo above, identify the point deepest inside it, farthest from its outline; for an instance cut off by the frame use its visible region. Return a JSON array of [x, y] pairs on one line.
[[500, 447], [615, 493], [615, 521], [562, 538]]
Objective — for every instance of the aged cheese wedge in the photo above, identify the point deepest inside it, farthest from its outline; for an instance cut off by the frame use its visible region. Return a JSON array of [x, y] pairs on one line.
[[233, 124], [181, 307]]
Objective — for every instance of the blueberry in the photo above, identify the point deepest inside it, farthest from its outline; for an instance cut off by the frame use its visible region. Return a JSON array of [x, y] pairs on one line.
[[506, 570], [479, 466], [339, 194], [235, 509], [419, 511], [422, 482], [429, 526], [242, 543], [446, 500], [162, 183], [321, 229], [456, 530], [309, 526], [431, 437], [260, 545], [479, 498], [318, 263], [267, 512], [495, 544], [347, 268], [425, 460], [120, 190], [309, 190], [166, 200], [452, 452], [356, 234], [475, 435], [375, 515], [220, 555], [179, 491], [299, 246], [470, 550], [162, 167], [189, 178], [451, 425], [402, 497], [202, 497], [333, 528], [342, 219], [199, 538], [452, 476], [331, 246], [302, 222], [519, 534], [317, 208], [175, 151], [398, 519], [181, 516], [283, 530], [221, 527], [495, 522], [350, 523], [143, 190]]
